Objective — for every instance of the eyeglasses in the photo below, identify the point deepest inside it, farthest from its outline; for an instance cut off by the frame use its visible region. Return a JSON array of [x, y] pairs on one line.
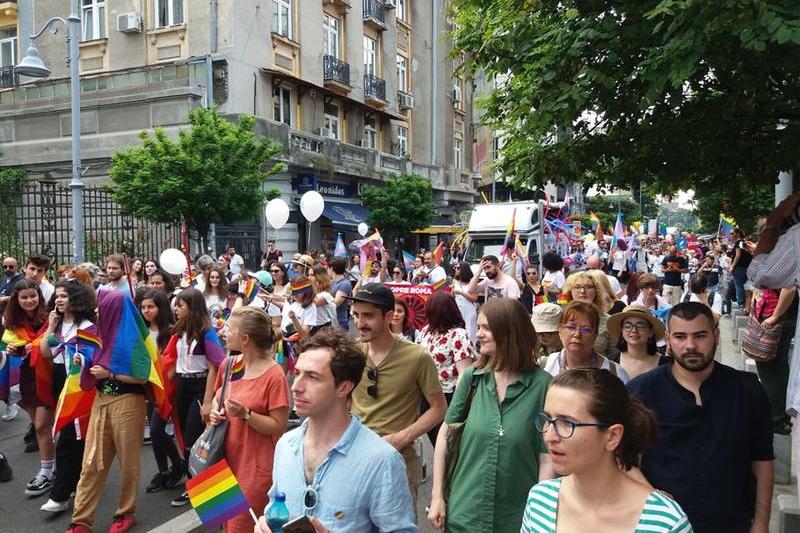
[[638, 326], [276, 270], [397, 273], [372, 374], [8, 267], [564, 427], [583, 288], [573, 328], [310, 500]]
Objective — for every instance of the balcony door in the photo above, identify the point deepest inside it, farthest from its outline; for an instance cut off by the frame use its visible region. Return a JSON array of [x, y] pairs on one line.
[[370, 56], [330, 35], [8, 47]]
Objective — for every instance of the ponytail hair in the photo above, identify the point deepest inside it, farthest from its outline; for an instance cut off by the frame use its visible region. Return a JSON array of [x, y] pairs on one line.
[[610, 403]]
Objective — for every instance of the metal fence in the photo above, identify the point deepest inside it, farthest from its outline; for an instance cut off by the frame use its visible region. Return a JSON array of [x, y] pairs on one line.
[[37, 218]]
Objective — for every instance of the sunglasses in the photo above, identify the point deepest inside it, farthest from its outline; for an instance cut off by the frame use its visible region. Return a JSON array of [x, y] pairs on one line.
[[8, 267], [310, 500], [397, 273], [372, 374]]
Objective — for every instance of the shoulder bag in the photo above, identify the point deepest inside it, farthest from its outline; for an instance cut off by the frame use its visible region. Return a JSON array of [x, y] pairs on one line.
[[454, 433], [759, 343], [209, 448]]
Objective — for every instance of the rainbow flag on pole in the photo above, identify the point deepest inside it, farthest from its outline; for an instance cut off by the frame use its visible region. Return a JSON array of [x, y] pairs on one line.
[[726, 226], [522, 255], [408, 261], [508, 242], [250, 290], [216, 496], [437, 253]]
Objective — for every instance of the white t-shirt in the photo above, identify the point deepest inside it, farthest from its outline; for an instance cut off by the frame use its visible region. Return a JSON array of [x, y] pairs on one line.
[[236, 264], [500, 287], [47, 289], [619, 261], [435, 275], [654, 262], [68, 332], [553, 366], [716, 304], [616, 288], [188, 363], [306, 315], [326, 313], [554, 279]]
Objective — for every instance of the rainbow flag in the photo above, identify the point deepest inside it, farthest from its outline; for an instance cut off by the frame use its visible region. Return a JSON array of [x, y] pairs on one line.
[[9, 371], [341, 249], [508, 242], [522, 255], [29, 339], [619, 231], [216, 496], [297, 288], [437, 253], [439, 284], [237, 370], [726, 226], [408, 261], [250, 290], [74, 402], [593, 218]]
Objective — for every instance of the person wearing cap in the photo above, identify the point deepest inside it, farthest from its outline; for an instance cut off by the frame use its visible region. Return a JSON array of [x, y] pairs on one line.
[[545, 319], [638, 332], [300, 316], [398, 376]]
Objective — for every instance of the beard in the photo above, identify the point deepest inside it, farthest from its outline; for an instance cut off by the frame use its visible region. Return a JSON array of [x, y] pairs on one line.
[[696, 366], [491, 275]]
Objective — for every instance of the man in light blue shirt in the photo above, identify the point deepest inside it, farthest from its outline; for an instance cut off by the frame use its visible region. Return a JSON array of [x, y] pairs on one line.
[[332, 468]]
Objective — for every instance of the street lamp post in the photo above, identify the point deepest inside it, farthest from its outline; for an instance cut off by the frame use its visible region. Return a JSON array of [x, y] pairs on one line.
[[33, 66]]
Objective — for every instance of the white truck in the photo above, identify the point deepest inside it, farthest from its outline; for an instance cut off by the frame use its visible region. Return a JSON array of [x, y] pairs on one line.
[[488, 226]]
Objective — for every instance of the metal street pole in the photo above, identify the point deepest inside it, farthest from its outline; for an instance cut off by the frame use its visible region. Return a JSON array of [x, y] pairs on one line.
[[77, 185]]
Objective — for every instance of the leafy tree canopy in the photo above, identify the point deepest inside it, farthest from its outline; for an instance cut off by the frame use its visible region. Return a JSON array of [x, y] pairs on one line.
[[400, 205], [211, 174], [678, 93]]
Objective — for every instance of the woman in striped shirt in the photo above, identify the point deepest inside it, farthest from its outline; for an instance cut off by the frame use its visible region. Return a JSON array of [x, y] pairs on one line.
[[595, 432]]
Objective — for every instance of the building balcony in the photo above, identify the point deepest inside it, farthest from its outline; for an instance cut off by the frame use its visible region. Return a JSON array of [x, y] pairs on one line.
[[374, 90], [8, 13], [8, 77], [374, 14], [342, 6], [336, 74]]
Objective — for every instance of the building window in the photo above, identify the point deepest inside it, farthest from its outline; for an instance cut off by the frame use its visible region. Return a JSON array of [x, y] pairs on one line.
[[93, 19], [168, 12], [282, 17], [330, 121], [458, 155], [496, 145], [400, 10], [370, 55], [282, 105], [402, 141], [370, 134], [8, 47], [330, 35], [402, 74]]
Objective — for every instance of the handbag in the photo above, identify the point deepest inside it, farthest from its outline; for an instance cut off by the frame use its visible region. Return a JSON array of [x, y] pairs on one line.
[[453, 444], [209, 448], [759, 343]]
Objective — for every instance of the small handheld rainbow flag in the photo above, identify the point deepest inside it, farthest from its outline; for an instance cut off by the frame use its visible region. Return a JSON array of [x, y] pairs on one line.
[[508, 242], [237, 370], [437, 253], [216, 496], [522, 255], [250, 290]]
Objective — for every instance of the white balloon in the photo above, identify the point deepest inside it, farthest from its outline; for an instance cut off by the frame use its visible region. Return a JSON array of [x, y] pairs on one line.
[[363, 229], [172, 261], [277, 213], [311, 205]]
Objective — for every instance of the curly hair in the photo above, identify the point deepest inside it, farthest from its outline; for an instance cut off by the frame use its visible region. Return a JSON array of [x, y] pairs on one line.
[[82, 301]]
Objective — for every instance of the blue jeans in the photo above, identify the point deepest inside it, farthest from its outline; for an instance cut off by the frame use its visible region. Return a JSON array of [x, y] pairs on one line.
[[739, 279]]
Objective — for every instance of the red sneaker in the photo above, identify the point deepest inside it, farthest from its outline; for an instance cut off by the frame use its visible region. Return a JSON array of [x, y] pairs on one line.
[[78, 528], [122, 524]]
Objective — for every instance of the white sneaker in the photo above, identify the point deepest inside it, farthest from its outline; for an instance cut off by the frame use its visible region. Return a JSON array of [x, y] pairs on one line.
[[55, 507], [10, 412], [170, 428]]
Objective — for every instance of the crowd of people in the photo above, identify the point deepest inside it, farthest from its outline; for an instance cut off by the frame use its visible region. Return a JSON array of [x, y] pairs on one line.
[[582, 397]]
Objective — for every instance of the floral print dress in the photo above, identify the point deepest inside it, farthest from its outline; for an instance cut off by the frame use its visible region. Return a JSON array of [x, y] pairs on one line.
[[447, 349]]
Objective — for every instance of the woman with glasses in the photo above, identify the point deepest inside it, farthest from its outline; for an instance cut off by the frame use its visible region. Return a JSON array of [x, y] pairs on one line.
[[595, 432], [256, 406], [638, 331], [592, 286], [500, 449], [282, 288], [577, 329], [466, 301]]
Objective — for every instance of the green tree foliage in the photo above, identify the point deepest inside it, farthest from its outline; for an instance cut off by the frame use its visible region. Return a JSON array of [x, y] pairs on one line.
[[211, 174], [677, 93], [400, 205], [743, 201], [606, 206], [12, 180]]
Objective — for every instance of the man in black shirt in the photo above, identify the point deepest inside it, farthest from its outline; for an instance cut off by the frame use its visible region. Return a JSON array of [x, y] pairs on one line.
[[714, 453], [673, 266]]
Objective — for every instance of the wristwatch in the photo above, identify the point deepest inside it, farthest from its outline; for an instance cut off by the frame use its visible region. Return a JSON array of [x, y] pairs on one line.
[[247, 415]]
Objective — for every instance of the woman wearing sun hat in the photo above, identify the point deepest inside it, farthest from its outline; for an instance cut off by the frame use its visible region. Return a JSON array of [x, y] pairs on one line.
[[638, 332]]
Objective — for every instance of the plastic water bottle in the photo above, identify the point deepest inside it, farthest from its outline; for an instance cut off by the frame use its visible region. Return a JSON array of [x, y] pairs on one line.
[[277, 514]]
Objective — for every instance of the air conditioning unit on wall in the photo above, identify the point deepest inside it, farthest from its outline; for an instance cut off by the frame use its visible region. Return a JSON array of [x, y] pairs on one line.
[[405, 101], [456, 96], [129, 23]]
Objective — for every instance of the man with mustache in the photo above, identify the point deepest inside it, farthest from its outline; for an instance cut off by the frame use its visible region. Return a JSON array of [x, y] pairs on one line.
[[714, 453], [496, 284]]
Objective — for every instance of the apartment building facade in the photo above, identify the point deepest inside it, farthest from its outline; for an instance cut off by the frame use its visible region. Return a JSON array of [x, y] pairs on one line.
[[357, 92]]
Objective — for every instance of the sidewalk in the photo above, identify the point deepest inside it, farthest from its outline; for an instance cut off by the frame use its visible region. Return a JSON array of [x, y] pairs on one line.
[[729, 353]]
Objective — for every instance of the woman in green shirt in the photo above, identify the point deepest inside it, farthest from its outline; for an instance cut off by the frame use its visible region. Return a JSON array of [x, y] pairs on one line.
[[501, 453]]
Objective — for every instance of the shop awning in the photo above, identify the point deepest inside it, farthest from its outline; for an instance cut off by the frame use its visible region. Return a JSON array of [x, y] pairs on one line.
[[342, 214], [435, 230]]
